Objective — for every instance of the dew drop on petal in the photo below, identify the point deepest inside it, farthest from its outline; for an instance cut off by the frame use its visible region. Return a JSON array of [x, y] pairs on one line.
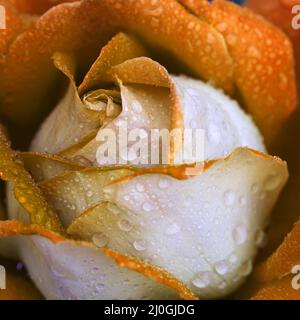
[[222, 285], [163, 183], [254, 188], [233, 258], [147, 206], [246, 268], [201, 280], [139, 245], [222, 267], [172, 229], [242, 201], [90, 193], [240, 234], [136, 107], [113, 208], [260, 238], [83, 161], [140, 187], [124, 225], [229, 198], [100, 239], [126, 198]]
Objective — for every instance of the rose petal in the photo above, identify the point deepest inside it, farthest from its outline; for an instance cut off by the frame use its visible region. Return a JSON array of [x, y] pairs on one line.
[[25, 189], [152, 223], [262, 57], [278, 290], [73, 192], [121, 48], [283, 259], [36, 7], [71, 30], [67, 269], [72, 114], [44, 166]]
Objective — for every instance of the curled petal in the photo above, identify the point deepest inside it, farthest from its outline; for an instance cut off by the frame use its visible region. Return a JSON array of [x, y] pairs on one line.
[[283, 259], [146, 217], [278, 290], [36, 7], [67, 269], [70, 30], [262, 57], [25, 189]]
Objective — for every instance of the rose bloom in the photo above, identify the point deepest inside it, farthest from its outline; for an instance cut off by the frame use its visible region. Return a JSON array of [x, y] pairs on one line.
[[89, 223]]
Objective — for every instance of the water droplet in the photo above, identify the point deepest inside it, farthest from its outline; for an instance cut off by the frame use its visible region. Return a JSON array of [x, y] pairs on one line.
[[222, 285], [90, 193], [233, 258], [124, 225], [120, 122], [147, 206], [222, 267], [100, 239], [231, 39], [242, 201], [240, 234], [84, 161], [126, 198], [136, 107], [246, 268], [172, 229], [222, 26], [113, 208], [229, 198], [163, 183], [140, 187], [272, 182], [139, 245], [254, 188], [202, 280], [260, 238]]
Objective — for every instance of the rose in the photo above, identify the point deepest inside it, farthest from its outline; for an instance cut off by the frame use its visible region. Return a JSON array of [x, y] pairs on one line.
[[67, 268]]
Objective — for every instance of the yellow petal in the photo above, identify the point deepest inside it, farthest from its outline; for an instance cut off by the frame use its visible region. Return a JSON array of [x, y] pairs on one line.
[[122, 47], [25, 189]]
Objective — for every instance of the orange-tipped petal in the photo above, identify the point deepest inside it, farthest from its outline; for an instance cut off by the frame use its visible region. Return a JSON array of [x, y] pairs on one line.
[[278, 290], [25, 189], [263, 62], [71, 259], [165, 25], [18, 286], [282, 261], [280, 13], [120, 49], [36, 6]]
